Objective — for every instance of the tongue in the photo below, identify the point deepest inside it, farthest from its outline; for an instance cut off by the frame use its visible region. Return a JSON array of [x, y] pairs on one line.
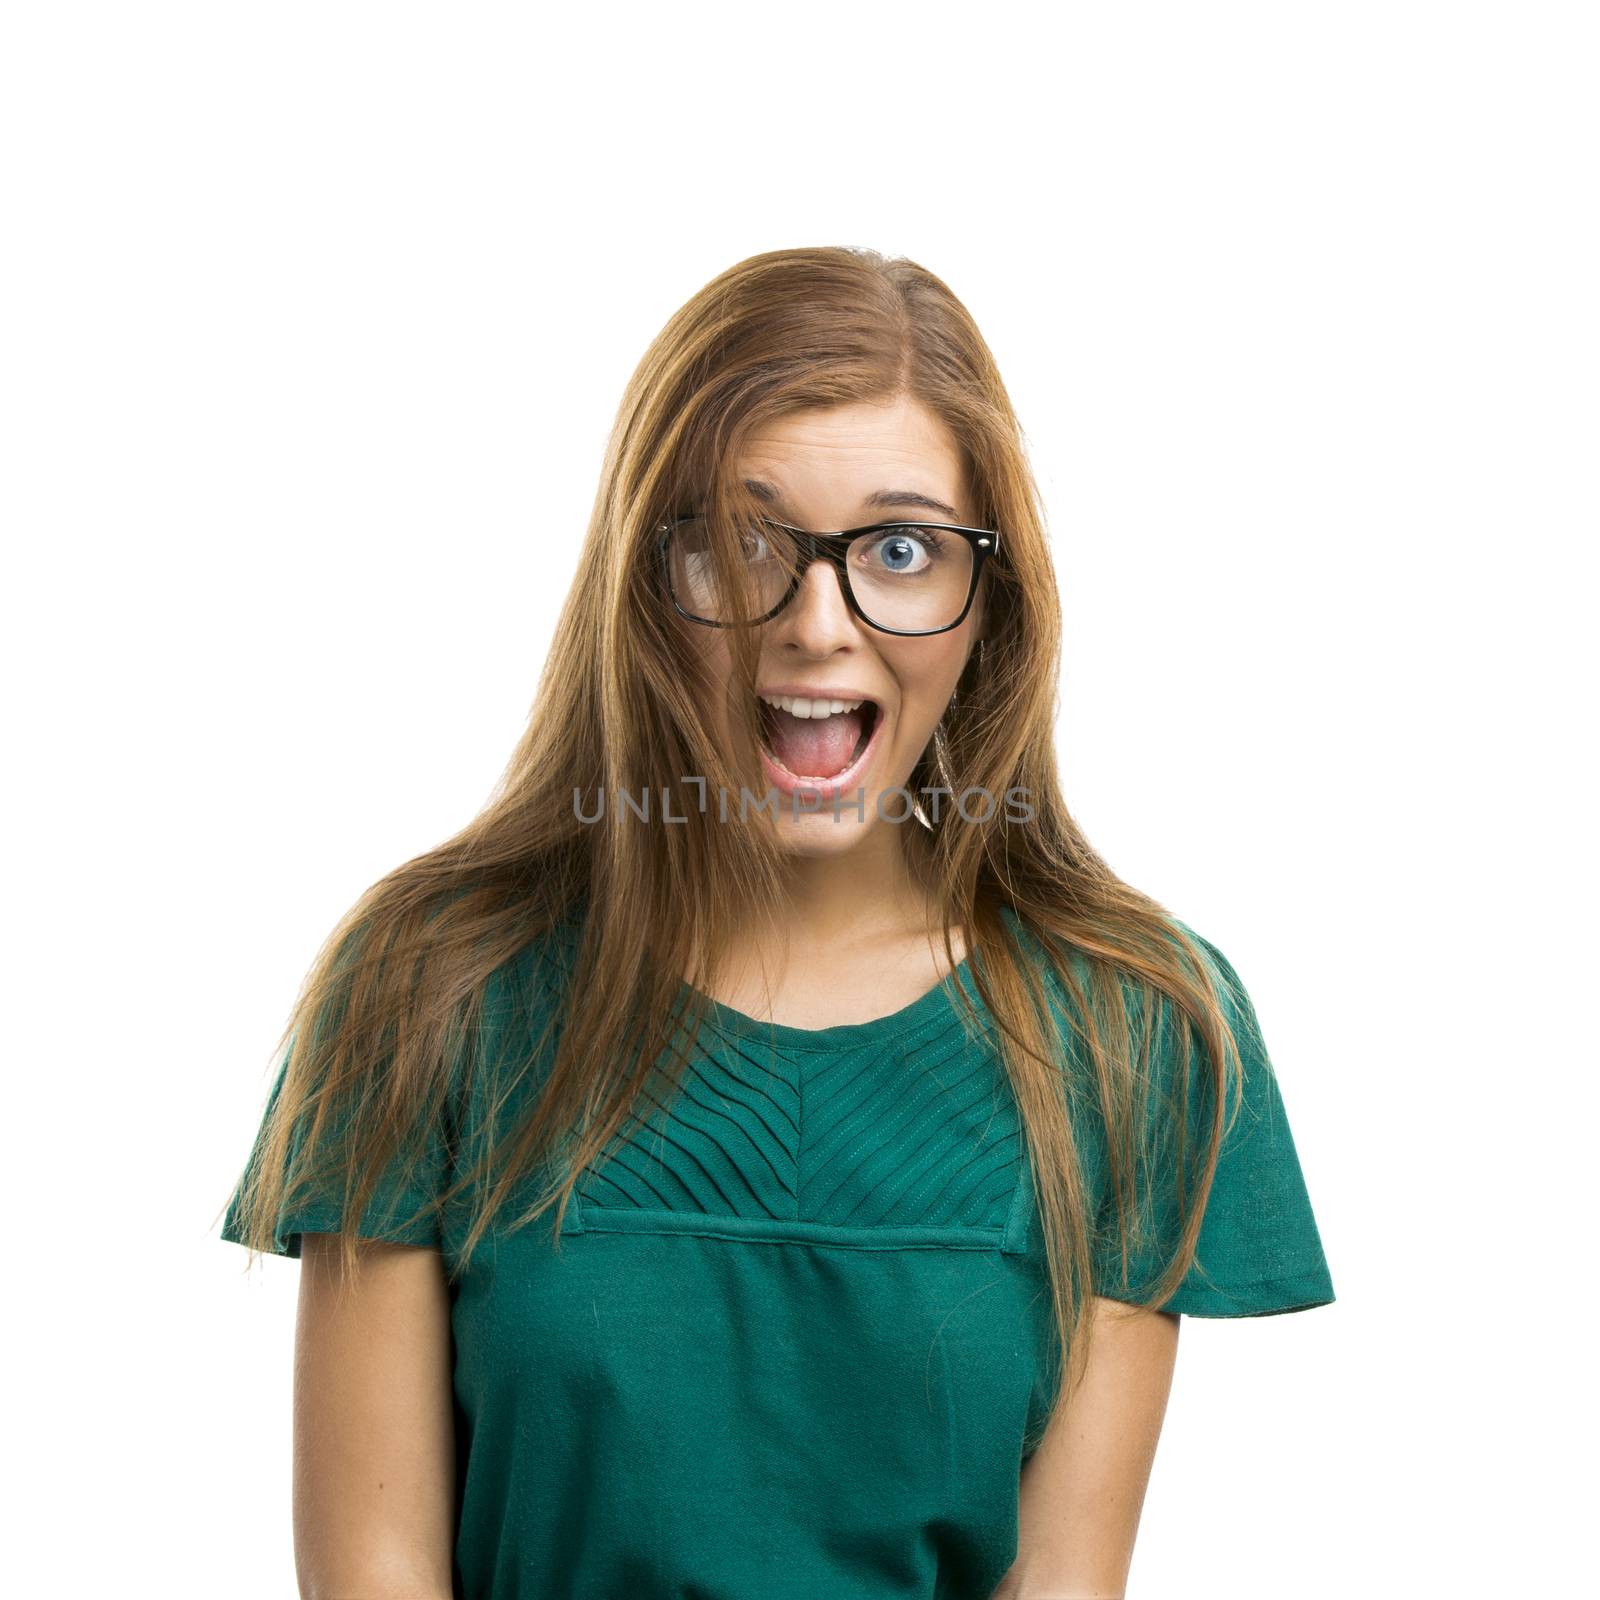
[[815, 747]]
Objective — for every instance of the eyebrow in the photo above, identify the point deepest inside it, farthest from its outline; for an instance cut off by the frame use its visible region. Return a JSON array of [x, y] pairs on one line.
[[765, 492]]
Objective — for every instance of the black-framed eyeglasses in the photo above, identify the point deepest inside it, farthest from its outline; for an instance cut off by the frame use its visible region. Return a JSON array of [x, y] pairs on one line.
[[898, 577]]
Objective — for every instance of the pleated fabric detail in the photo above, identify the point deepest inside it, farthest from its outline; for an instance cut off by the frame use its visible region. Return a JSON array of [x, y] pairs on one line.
[[902, 1124]]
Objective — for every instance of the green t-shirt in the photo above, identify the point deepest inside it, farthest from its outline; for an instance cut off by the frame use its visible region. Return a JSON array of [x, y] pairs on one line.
[[795, 1335]]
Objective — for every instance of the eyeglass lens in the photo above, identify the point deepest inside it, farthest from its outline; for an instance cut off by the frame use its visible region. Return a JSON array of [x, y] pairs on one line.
[[907, 577]]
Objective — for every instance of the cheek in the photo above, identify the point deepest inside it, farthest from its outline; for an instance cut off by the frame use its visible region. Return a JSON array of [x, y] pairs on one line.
[[707, 653], [919, 716], [926, 688]]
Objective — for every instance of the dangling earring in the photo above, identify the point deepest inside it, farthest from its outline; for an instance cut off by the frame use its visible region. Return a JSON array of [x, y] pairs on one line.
[[976, 668]]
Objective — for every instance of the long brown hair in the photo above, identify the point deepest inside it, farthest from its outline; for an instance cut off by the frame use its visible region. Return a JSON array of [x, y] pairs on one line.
[[394, 1000]]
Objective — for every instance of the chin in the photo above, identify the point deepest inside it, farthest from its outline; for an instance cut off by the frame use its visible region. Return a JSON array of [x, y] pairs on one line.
[[819, 836]]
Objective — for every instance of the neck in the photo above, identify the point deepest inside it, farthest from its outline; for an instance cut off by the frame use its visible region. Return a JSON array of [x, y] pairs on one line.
[[873, 891]]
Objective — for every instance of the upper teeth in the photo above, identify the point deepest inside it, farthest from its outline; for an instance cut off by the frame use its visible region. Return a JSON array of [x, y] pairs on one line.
[[798, 706]]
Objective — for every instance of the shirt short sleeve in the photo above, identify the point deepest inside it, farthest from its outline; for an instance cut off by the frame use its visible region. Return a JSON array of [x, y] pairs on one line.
[[1259, 1250], [402, 1207]]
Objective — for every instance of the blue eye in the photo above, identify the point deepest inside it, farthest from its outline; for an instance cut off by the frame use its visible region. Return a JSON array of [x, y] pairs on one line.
[[904, 552]]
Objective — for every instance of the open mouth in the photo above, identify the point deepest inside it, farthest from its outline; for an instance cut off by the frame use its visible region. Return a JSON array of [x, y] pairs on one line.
[[812, 741]]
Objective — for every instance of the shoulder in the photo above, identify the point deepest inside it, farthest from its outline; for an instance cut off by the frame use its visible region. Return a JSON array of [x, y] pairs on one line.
[[1218, 965], [529, 989], [1116, 992], [1222, 977], [551, 947], [1173, 938]]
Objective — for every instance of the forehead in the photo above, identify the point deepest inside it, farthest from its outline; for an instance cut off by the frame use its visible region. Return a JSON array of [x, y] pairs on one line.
[[895, 456]]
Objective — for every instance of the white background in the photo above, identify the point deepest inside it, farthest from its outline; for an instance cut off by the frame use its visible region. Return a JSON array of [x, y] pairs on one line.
[[316, 317]]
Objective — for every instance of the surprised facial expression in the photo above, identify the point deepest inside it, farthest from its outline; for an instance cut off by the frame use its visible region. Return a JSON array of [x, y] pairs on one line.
[[848, 709]]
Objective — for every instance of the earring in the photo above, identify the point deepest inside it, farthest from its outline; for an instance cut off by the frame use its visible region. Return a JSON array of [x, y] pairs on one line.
[[976, 668]]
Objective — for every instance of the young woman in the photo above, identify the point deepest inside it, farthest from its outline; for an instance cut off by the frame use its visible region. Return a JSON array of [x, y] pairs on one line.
[[702, 1162]]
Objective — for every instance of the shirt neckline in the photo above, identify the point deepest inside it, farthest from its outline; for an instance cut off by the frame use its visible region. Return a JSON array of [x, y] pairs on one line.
[[936, 1004]]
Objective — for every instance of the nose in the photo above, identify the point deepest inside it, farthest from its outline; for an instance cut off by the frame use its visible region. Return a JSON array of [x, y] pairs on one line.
[[818, 618]]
